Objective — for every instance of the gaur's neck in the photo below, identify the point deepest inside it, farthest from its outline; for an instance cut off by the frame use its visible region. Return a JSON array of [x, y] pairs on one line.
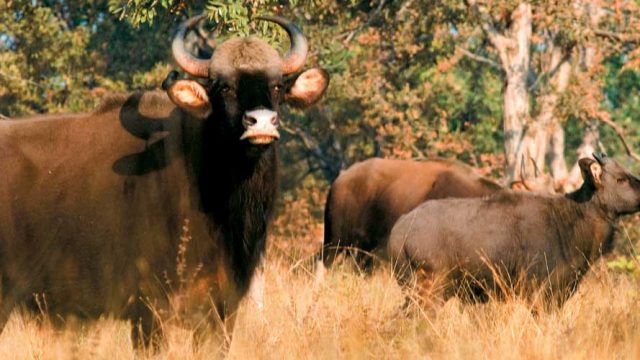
[[236, 188], [590, 225], [588, 193], [582, 194]]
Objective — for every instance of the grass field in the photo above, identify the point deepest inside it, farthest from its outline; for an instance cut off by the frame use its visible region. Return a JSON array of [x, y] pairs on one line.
[[355, 316]]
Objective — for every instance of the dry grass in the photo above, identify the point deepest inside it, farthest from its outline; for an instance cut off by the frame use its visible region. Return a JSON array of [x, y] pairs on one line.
[[357, 316]]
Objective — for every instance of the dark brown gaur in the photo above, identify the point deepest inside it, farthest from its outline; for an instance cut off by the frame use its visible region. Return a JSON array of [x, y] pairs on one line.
[[92, 206], [539, 242], [366, 200]]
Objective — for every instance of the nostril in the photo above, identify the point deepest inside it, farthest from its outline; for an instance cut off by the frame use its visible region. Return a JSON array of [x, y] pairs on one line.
[[249, 120], [274, 120]]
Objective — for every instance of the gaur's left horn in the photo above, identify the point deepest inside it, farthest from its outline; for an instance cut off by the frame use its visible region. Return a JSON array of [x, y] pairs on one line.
[[297, 55], [189, 63]]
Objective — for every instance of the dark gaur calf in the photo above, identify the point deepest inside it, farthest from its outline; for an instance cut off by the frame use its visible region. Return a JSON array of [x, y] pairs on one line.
[[92, 205], [366, 200], [547, 241]]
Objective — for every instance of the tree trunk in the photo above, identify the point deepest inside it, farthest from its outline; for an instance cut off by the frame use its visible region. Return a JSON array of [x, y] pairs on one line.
[[543, 138], [526, 140], [588, 146], [515, 56], [591, 136], [555, 155], [553, 151]]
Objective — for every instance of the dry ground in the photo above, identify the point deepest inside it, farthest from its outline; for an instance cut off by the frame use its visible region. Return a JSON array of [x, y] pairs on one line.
[[356, 316]]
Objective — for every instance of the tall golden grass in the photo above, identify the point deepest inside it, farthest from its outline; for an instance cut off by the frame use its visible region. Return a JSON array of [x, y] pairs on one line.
[[354, 316]]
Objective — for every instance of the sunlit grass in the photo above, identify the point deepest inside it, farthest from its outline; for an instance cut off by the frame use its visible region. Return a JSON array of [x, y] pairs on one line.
[[351, 315]]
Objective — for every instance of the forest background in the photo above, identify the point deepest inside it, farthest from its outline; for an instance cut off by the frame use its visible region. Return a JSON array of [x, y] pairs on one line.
[[505, 86]]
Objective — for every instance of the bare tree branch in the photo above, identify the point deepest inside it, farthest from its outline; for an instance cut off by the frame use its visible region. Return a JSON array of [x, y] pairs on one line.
[[479, 58], [403, 8], [421, 155], [16, 78], [499, 41], [620, 134], [372, 17], [618, 37], [549, 74], [300, 178], [326, 162]]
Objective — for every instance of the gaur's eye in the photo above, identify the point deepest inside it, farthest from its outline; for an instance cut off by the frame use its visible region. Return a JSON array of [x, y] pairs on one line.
[[225, 88], [277, 88], [622, 180]]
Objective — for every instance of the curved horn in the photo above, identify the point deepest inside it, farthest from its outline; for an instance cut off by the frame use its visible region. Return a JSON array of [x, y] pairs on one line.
[[207, 36], [297, 55], [189, 63]]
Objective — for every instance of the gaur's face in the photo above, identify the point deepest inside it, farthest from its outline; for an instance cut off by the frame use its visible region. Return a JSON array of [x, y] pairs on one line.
[[251, 103], [614, 187], [620, 188], [245, 83]]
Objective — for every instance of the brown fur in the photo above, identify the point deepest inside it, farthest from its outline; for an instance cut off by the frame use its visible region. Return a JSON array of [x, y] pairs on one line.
[[93, 206], [548, 240], [366, 200], [248, 55], [94, 240]]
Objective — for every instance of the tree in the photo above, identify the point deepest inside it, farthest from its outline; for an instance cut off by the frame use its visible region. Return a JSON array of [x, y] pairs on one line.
[[409, 79], [63, 55], [538, 46]]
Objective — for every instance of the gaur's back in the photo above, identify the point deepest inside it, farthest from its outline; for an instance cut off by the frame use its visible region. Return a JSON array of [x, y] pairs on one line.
[[65, 194], [516, 236], [450, 232], [366, 200]]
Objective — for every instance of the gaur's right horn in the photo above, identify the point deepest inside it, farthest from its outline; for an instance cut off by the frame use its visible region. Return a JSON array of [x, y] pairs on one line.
[[297, 55], [189, 63]]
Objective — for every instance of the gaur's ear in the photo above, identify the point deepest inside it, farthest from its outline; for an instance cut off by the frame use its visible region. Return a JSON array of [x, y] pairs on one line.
[[591, 171], [308, 88], [191, 97]]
